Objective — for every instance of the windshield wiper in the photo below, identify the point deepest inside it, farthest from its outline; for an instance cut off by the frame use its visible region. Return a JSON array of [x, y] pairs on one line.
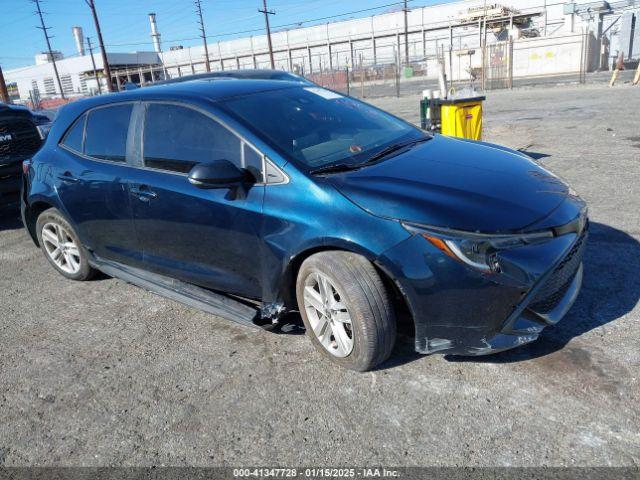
[[392, 149], [345, 167], [336, 167]]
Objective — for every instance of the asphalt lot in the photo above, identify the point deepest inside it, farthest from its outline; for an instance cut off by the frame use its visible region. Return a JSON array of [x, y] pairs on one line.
[[104, 373]]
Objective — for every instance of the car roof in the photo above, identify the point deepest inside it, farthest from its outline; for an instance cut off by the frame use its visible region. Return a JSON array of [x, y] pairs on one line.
[[215, 88], [212, 89], [244, 74]]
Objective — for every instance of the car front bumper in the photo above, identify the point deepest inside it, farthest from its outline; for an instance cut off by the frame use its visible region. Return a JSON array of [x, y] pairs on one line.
[[459, 310], [525, 326]]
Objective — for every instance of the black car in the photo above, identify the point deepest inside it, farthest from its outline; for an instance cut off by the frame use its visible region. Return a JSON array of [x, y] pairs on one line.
[[21, 135]]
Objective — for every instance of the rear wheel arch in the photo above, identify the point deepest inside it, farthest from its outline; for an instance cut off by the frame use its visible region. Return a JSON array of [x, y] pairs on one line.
[[61, 246], [32, 212]]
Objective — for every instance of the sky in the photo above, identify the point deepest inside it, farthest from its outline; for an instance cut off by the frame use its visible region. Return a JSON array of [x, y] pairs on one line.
[[125, 24]]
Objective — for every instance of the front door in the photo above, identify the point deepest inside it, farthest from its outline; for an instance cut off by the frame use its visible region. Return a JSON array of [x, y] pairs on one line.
[[206, 237]]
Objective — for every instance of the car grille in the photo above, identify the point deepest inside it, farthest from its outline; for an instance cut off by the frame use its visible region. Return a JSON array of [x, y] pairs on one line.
[[25, 140], [554, 289]]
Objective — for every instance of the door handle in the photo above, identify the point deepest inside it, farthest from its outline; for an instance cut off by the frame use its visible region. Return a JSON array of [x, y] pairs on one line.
[[67, 177], [143, 192]]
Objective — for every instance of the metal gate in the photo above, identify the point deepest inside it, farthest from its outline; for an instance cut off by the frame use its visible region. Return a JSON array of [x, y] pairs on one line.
[[497, 66]]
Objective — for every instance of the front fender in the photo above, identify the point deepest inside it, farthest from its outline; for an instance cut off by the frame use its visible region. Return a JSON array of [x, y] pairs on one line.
[[322, 219]]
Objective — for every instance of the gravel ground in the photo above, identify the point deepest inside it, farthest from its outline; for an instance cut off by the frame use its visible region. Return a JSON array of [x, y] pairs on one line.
[[104, 373]]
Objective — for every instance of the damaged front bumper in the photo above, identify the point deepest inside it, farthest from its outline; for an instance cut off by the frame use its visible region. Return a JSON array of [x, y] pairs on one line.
[[458, 310], [525, 325]]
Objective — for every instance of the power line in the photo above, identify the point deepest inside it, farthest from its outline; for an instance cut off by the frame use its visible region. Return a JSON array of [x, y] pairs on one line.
[[13, 22], [48, 40], [254, 30], [203, 34], [343, 14], [123, 27], [266, 20]]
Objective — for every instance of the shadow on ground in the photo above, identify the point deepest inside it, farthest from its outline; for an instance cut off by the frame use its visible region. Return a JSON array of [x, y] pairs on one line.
[[535, 155], [611, 289], [10, 217]]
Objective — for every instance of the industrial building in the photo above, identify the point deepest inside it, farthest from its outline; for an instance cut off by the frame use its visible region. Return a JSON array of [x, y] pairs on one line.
[[80, 74], [527, 38], [77, 75]]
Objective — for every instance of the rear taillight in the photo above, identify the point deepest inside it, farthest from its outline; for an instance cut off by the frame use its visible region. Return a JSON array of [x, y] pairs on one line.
[[26, 164]]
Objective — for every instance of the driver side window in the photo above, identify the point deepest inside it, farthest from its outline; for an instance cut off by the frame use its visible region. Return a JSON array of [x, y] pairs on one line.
[[176, 138]]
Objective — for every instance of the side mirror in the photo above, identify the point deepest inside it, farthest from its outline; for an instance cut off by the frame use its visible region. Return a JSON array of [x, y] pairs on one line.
[[218, 174]]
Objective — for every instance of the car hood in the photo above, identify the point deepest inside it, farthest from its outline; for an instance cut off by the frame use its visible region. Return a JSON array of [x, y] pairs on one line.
[[457, 184]]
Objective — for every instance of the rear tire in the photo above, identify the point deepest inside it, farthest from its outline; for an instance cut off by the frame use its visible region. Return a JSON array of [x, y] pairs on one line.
[[346, 309], [62, 247]]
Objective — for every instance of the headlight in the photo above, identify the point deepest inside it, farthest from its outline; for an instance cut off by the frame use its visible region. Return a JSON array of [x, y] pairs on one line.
[[476, 250]]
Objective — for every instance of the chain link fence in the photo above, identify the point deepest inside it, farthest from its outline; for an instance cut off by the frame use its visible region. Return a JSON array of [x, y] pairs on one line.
[[489, 67], [385, 72]]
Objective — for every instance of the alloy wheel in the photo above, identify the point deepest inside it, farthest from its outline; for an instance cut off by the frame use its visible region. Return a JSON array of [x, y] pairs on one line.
[[61, 248], [328, 315]]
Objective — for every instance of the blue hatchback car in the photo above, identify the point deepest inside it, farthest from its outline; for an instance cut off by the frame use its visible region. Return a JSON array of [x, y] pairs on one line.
[[252, 198]]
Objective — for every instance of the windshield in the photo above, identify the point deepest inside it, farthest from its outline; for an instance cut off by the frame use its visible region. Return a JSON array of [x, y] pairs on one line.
[[317, 127]]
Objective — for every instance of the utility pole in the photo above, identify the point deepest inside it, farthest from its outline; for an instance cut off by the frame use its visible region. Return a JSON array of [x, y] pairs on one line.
[[93, 62], [406, 34], [48, 39], [203, 34], [105, 62], [4, 93], [266, 19]]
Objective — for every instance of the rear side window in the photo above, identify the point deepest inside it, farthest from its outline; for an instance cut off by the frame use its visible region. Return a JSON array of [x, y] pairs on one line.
[[106, 136], [75, 135], [252, 161], [177, 138]]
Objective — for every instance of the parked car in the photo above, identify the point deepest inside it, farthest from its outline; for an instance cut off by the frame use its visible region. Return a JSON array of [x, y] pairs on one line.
[[21, 135], [253, 198], [245, 74]]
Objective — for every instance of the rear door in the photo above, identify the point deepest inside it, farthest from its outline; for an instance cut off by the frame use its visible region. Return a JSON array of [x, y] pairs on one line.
[[206, 237], [92, 182]]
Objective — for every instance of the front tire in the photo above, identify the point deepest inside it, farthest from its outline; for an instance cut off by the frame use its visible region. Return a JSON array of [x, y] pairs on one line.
[[62, 247], [346, 309]]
